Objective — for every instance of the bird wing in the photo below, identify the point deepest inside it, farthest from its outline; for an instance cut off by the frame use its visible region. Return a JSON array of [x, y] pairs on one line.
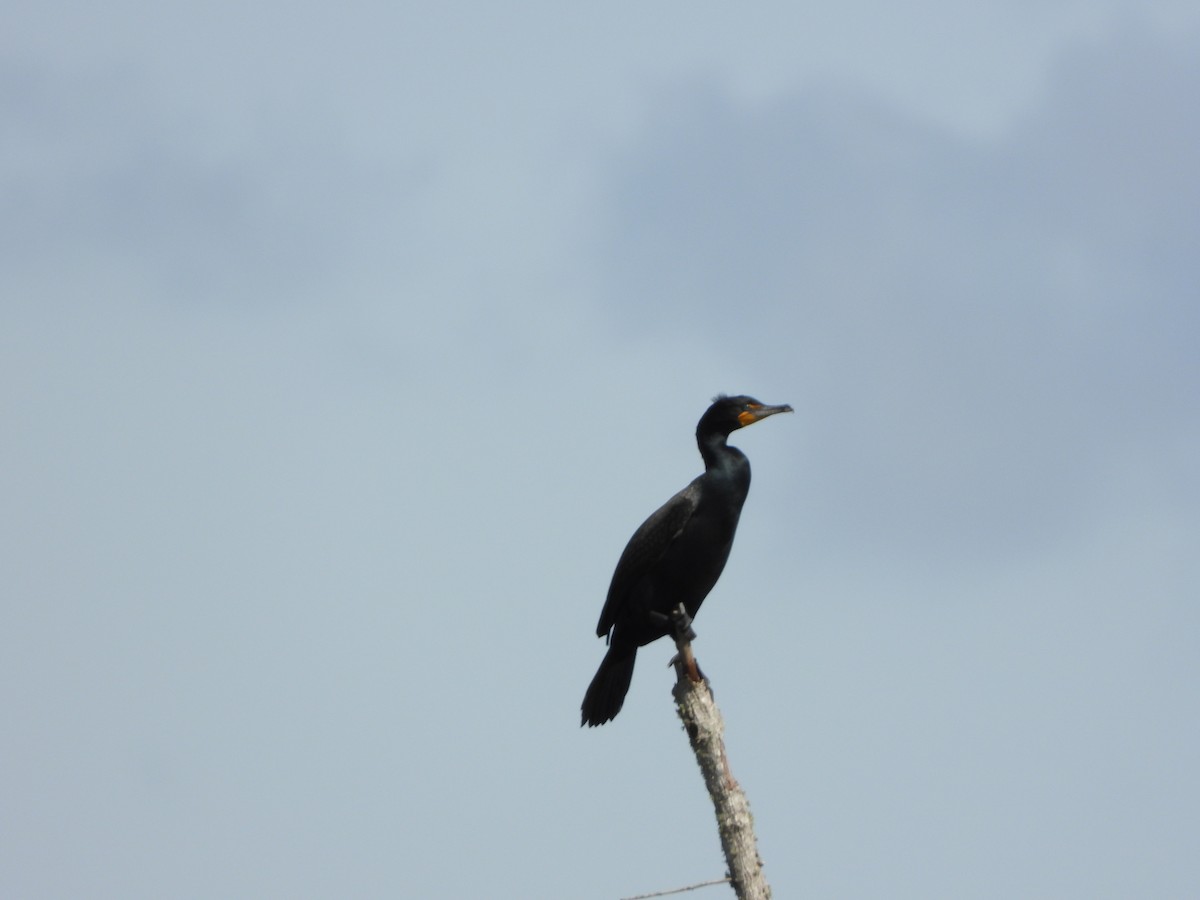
[[646, 548]]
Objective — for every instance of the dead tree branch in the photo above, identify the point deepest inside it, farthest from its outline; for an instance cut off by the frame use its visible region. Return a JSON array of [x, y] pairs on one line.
[[705, 728]]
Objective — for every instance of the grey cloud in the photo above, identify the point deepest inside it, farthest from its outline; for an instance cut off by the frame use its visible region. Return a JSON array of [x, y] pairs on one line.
[[100, 166], [979, 332]]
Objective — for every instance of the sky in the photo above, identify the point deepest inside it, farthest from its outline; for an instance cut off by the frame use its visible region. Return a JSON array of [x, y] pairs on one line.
[[342, 351]]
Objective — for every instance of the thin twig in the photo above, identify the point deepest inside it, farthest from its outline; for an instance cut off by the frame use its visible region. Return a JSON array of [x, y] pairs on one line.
[[690, 887]]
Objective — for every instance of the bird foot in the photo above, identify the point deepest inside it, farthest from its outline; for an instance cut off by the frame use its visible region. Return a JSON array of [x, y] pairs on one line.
[[681, 623], [685, 660]]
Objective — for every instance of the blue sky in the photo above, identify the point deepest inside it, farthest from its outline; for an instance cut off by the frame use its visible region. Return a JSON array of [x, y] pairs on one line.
[[343, 351]]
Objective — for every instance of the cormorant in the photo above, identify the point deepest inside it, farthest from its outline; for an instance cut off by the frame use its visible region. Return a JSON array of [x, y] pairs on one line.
[[676, 556]]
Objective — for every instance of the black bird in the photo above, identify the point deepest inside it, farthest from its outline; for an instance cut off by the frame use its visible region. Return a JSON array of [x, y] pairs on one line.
[[676, 556]]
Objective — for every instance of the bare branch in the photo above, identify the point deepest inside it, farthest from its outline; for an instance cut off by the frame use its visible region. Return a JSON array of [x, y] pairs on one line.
[[705, 728]]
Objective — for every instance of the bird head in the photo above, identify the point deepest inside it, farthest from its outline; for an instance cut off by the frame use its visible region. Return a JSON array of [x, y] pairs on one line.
[[728, 414]]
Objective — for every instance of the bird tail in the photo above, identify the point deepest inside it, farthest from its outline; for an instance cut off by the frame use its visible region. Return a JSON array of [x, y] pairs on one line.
[[606, 694]]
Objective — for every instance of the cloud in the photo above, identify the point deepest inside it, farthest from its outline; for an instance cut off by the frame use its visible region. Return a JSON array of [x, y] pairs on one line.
[[322, 452], [101, 171], [981, 334]]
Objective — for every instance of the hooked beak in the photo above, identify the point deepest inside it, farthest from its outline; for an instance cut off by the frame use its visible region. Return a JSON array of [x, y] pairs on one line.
[[758, 413]]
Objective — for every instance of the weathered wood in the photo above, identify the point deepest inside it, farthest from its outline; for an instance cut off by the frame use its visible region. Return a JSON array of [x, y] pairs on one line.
[[705, 729]]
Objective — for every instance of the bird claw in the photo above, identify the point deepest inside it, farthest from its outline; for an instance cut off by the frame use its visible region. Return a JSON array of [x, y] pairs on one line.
[[681, 624]]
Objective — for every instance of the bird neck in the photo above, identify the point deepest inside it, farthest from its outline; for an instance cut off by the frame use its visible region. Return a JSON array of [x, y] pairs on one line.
[[718, 455]]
